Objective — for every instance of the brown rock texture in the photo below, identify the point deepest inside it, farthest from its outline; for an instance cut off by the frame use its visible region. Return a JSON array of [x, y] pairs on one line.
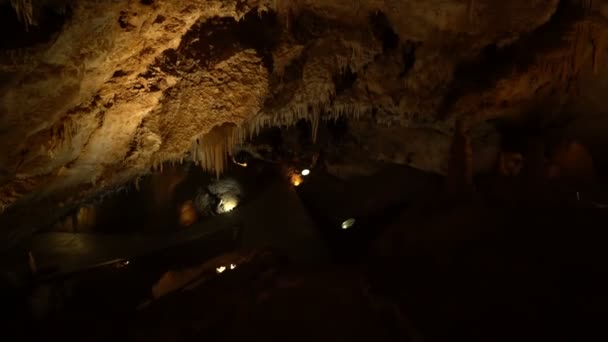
[[119, 88]]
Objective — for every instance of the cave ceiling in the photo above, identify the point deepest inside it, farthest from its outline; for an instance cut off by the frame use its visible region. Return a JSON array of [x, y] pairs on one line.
[[97, 93]]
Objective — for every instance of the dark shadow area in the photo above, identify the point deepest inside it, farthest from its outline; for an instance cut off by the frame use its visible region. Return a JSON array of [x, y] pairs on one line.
[[372, 201], [344, 81], [484, 273], [14, 35], [383, 31]]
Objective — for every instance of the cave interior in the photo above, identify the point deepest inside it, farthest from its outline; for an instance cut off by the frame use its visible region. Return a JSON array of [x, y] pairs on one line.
[[329, 170]]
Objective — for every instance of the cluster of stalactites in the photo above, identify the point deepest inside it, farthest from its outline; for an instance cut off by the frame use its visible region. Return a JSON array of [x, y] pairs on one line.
[[211, 150], [585, 4], [594, 32], [570, 64], [288, 118], [25, 12]]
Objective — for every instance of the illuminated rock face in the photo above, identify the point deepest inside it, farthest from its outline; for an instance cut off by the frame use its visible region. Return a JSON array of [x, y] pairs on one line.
[[117, 88], [227, 204]]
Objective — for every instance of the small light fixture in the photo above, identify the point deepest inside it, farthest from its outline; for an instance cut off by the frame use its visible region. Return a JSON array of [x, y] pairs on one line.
[[121, 264], [220, 269], [348, 223], [296, 179], [232, 266], [305, 172], [227, 205], [244, 164]]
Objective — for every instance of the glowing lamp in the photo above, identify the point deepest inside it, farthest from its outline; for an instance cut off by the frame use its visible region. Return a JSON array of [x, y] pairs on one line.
[[348, 223], [121, 264], [229, 204], [244, 164], [220, 269], [296, 179], [305, 172], [232, 266]]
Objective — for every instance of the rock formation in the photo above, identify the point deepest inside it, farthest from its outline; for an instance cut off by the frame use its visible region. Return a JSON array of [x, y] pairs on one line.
[[98, 93]]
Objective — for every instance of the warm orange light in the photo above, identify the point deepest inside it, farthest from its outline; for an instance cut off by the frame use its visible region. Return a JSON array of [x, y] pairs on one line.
[[296, 179], [187, 214]]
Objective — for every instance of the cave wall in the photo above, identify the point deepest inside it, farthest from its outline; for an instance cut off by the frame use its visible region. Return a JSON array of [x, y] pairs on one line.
[[117, 88]]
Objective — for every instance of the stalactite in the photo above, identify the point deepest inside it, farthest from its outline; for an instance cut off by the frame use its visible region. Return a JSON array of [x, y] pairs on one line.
[[599, 40], [315, 126], [471, 10], [137, 183], [210, 150], [567, 63], [25, 12], [586, 5], [289, 117]]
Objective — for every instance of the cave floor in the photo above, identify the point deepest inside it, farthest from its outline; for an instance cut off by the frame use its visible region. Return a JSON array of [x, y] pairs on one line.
[[440, 271]]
